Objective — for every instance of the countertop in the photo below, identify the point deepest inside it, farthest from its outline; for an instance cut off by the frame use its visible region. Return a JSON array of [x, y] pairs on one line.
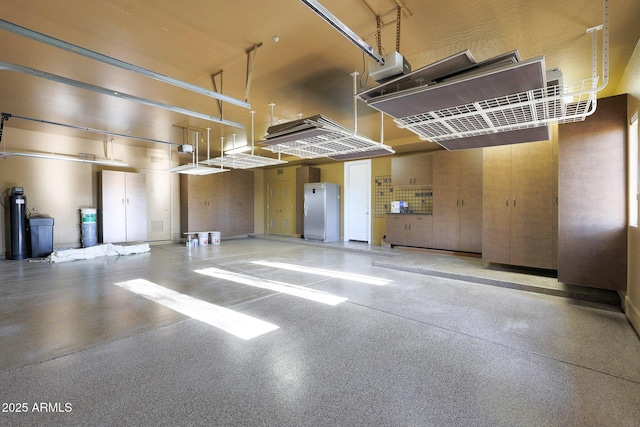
[[411, 213]]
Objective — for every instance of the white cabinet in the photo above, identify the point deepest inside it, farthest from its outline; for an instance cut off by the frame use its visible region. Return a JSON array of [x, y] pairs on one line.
[[122, 207]]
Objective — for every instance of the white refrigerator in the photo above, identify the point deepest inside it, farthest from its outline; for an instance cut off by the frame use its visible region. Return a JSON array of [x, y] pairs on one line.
[[322, 211]]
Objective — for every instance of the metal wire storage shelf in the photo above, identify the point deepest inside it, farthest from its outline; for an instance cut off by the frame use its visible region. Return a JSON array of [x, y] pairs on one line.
[[330, 142], [243, 161], [195, 169], [533, 108]]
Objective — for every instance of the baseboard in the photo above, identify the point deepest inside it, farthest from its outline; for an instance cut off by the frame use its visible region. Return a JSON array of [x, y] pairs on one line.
[[633, 314]]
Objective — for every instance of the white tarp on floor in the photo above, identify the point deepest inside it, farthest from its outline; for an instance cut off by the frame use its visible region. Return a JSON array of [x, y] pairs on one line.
[[91, 252]]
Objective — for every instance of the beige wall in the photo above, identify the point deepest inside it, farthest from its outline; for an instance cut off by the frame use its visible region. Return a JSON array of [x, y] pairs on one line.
[[60, 189], [631, 85], [330, 172]]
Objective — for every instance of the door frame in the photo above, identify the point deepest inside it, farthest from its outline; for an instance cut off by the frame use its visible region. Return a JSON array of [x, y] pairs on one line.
[[347, 201]]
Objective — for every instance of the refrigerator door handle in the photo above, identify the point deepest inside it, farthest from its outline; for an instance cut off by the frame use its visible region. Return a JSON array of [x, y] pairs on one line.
[[305, 205]]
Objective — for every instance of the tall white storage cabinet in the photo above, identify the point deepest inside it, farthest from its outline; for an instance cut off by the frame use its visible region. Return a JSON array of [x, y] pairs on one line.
[[122, 212]]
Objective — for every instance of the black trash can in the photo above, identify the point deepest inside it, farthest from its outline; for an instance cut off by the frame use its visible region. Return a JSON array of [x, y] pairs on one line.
[[40, 231]]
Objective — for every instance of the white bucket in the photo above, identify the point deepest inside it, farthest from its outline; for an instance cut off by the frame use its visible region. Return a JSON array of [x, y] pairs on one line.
[[88, 215], [215, 237], [88, 227], [203, 239]]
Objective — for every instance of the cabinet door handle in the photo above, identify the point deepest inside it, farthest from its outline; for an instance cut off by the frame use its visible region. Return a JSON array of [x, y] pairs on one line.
[[506, 200], [514, 202], [462, 202]]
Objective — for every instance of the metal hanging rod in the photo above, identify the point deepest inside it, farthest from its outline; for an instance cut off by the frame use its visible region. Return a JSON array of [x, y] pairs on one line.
[[324, 13], [43, 38], [4, 154], [31, 71], [104, 132]]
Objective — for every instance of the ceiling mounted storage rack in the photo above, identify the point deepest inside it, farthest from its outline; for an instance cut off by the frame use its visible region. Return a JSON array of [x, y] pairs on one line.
[[196, 167], [243, 160], [318, 136], [461, 104]]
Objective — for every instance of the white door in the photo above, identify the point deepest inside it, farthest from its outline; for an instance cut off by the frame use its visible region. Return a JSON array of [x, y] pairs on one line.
[[357, 200]]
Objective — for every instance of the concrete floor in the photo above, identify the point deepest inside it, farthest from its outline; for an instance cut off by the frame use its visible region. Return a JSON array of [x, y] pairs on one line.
[[424, 349]]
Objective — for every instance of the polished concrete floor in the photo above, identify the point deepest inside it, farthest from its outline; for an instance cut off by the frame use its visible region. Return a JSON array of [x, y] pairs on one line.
[[358, 336]]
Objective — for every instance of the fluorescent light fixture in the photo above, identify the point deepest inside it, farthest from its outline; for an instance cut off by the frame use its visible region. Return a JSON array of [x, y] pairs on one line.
[[238, 324], [62, 157], [237, 150], [284, 288], [327, 273], [343, 29]]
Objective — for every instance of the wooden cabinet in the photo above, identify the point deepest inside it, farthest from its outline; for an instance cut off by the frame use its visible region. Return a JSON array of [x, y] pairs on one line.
[[201, 203], [518, 206], [593, 218], [122, 207], [219, 202], [238, 203], [457, 200], [410, 230], [412, 170]]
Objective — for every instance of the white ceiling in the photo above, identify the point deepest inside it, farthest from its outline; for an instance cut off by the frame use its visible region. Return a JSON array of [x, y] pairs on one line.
[[306, 72]]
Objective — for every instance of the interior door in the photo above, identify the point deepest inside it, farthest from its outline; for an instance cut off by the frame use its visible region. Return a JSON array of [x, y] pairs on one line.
[[358, 194], [280, 208]]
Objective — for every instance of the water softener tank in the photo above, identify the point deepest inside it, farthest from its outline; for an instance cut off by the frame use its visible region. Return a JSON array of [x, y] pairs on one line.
[[18, 221]]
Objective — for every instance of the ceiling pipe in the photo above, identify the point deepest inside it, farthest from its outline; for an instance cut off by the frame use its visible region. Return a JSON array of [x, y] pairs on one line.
[[43, 38], [87, 129], [64, 80], [107, 162]]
